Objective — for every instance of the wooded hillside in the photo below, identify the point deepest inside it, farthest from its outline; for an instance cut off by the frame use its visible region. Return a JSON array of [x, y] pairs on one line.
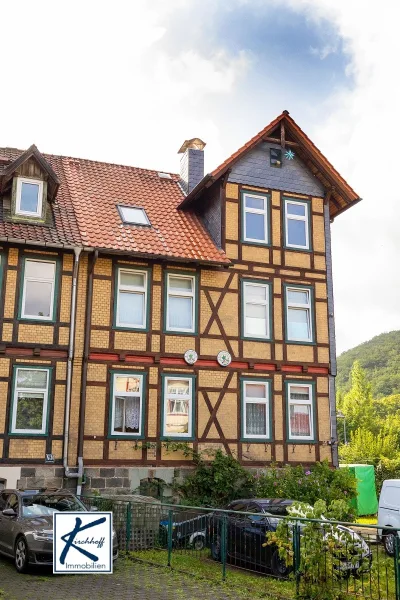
[[380, 359]]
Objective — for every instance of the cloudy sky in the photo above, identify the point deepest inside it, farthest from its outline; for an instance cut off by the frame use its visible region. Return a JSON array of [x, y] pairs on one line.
[[128, 81]]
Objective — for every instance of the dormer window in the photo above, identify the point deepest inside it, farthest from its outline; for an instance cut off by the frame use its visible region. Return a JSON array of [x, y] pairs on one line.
[[29, 197], [133, 215]]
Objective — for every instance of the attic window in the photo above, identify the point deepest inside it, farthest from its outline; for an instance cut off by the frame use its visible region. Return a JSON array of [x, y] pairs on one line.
[[133, 215], [275, 157], [29, 197]]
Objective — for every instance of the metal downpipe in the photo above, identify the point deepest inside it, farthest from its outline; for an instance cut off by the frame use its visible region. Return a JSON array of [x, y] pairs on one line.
[[71, 350]]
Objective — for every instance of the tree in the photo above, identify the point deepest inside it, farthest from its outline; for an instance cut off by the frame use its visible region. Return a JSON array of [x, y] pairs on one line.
[[357, 404], [366, 447]]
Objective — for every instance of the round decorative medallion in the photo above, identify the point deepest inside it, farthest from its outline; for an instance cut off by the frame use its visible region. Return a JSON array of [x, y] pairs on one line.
[[224, 358], [190, 357]]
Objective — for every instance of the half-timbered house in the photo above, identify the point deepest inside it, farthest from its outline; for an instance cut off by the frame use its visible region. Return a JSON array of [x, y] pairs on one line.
[[142, 308]]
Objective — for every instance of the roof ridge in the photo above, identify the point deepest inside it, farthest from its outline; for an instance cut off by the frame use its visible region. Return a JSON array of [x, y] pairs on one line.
[[110, 164], [91, 160]]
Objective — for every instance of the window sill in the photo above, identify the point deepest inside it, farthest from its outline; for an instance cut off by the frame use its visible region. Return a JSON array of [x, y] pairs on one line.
[[245, 440], [179, 438], [251, 243], [186, 333], [246, 338], [28, 435], [290, 342], [128, 328], [302, 442], [131, 436], [293, 249], [34, 321]]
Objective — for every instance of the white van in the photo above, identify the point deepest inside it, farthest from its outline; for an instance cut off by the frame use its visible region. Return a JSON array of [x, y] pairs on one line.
[[389, 513]]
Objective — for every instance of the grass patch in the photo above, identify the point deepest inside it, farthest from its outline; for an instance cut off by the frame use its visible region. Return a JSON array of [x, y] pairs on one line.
[[368, 520], [199, 564]]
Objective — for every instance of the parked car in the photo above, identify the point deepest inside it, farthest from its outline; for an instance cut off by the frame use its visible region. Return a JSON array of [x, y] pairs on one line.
[[26, 524], [188, 531], [389, 514], [246, 537]]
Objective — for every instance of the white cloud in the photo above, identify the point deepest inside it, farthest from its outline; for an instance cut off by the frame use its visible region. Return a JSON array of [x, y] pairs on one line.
[[100, 80], [359, 133], [97, 80]]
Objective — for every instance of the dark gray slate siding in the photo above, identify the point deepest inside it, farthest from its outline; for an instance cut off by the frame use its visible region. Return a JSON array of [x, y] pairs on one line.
[[293, 176]]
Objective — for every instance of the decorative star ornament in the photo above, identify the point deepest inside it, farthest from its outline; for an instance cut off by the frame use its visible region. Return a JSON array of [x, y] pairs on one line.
[[289, 154], [224, 358], [190, 357]]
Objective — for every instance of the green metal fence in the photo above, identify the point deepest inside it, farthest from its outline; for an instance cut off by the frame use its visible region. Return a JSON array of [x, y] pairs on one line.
[[346, 558]]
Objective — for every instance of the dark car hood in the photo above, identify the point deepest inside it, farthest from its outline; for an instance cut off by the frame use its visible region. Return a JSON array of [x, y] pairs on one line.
[[37, 523]]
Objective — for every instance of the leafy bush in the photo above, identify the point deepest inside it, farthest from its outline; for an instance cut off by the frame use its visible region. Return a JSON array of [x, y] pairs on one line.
[[323, 547], [386, 469], [366, 447], [216, 483], [319, 482]]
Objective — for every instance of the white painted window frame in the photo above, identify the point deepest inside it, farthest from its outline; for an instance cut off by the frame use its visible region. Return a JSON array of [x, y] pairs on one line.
[[305, 219], [138, 394], [132, 289], [265, 303], [188, 397], [251, 400], [300, 306], [26, 213], [308, 402], [182, 294], [122, 207], [257, 211], [41, 280], [44, 391]]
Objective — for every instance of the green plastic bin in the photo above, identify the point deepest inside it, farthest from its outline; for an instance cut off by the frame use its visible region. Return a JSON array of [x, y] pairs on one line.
[[366, 502]]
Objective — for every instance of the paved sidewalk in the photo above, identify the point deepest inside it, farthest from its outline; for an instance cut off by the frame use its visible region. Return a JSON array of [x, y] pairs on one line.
[[130, 581]]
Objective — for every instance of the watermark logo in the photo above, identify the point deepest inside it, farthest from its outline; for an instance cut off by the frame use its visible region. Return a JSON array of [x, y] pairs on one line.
[[83, 542]]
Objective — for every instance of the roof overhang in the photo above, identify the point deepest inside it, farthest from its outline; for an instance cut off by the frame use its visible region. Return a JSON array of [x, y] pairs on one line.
[[285, 131]]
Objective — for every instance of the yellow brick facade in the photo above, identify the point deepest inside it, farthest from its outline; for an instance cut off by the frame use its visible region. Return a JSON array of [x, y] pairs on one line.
[[217, 405]]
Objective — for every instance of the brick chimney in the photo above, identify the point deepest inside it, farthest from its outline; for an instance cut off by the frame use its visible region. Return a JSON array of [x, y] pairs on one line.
[[192, 163]]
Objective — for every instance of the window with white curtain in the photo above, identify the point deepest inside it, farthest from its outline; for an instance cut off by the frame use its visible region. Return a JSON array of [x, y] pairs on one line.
[[299, 314], [38, 289], [297, 224], [255, 402], [30, 401], [178, 406], [181, 308], [256, 310], [300, 408], [255, 218], [127, 404], [132, 299]]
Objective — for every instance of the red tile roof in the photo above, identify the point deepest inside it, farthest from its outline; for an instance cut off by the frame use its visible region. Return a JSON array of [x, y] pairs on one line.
[[64, 229], [86, 213]]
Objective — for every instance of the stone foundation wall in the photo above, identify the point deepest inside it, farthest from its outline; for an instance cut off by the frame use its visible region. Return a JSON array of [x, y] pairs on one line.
[[105, 481]]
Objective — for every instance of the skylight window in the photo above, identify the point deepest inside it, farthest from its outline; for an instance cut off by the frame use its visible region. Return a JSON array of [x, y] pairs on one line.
[[164, 175], [133, 215]]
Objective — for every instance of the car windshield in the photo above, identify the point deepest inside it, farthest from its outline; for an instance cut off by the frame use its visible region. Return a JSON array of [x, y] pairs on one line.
[[44, 505]]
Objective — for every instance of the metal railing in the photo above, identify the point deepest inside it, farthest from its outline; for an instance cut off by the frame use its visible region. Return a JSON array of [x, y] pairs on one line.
[[295, 556]]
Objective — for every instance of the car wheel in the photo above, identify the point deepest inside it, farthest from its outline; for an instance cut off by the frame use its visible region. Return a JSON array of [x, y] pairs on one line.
[[278, 566], [216, 548], [198, 543], [21, 558], [388, 538]]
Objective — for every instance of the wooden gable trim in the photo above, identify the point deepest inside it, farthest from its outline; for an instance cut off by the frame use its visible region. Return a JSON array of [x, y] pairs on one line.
[[308, 152], [32, 152]]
